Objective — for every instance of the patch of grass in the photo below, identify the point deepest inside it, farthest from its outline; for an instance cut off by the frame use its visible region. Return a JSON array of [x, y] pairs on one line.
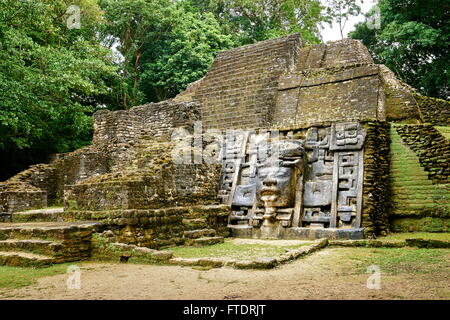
[[418, 235], [445, 131], [16, 277], [400, 260], [231, 250]]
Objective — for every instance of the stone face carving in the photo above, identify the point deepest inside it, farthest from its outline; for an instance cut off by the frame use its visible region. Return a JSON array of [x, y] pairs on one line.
[[277, 179], [306, 178]]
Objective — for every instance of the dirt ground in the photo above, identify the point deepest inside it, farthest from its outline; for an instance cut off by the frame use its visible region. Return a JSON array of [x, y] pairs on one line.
[[326, 274]]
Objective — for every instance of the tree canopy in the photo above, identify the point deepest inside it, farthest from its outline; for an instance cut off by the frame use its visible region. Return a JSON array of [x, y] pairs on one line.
[[51, 79], [165, 44], [250, 21], [413, 41]]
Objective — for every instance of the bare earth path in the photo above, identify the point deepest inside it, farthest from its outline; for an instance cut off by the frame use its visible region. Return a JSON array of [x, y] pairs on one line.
[[327, 274]]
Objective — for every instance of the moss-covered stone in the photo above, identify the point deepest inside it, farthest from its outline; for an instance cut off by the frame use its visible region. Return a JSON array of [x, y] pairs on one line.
[[426, 224], [434, 111]]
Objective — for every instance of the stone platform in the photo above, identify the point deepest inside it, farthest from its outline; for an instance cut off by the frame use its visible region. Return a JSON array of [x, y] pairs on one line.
[[152, 228], [44, 243], [299, 233]]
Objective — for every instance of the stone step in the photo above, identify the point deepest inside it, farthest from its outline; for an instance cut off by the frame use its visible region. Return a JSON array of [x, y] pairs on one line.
[[412, 190], [406, 212], [203, 241], [410, 187], [444, 131], [413, 198], [401, 160], [195, 234], [44, 247], [420, 188], [426, 188], [195, 224], [63, 241], [408, 182], [45, 230], [421, 193], [38, 215], [24, 259], [404, 180], [399, 184], [396, 171], [406, 171], [401, 177], [407, 167], [415, 206], [206, 241]]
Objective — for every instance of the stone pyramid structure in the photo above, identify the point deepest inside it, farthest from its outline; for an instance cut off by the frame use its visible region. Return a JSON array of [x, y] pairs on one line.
[[277, 140]]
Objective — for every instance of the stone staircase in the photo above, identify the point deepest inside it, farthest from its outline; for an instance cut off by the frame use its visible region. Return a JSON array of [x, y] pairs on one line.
[[39, 244], [39, 215], [196, 232], [445, 131], [413, 193]]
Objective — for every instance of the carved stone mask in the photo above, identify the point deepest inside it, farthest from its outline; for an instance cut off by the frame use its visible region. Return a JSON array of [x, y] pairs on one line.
[[277, 176]]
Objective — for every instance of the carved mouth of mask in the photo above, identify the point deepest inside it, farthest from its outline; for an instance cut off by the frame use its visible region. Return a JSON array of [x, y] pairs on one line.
[[269, 193]]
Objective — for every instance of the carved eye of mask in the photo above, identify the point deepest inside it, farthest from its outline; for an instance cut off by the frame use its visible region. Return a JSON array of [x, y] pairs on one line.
[[263, 172], [283, 172], [274, 171]]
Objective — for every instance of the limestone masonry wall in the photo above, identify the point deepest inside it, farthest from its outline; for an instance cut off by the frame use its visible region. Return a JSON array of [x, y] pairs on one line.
[[13, 201], [349, 92], [73, 167], [68, 242], [27, 190], [338, 82], [239, 91], [398, 98], [376, 196], [434, 111], [150, 180], [156, 228], [432, 149], [118, 138], [347, 51], [171, 187], [155, 120]]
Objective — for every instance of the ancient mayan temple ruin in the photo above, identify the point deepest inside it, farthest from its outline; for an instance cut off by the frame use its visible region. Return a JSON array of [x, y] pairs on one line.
[[277, 140]]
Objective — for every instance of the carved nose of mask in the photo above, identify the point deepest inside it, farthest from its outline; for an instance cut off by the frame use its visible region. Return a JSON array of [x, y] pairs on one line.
[[269, 182]]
